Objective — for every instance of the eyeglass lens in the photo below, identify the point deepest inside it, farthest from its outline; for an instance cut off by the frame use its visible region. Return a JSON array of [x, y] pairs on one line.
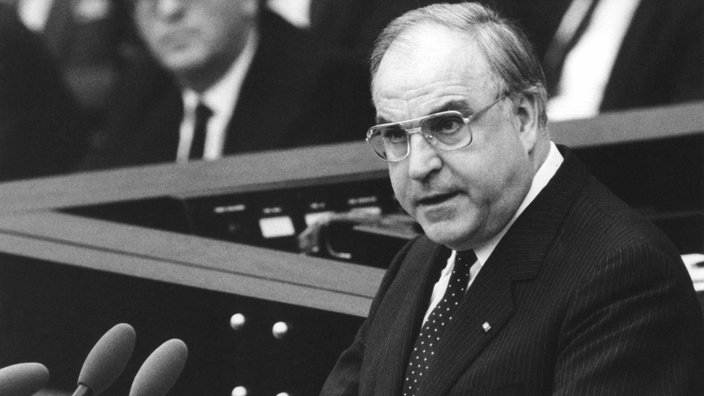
[[443, 130]]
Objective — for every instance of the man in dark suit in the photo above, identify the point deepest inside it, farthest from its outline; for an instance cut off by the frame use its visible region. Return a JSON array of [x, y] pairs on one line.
[[531, 278], [261, 78]]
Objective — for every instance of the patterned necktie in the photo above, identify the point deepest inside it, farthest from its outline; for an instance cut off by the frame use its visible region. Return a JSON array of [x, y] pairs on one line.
[[203, 114], [429, 337]]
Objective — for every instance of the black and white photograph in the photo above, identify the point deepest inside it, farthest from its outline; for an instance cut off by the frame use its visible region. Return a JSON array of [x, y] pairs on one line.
[[351, 197]]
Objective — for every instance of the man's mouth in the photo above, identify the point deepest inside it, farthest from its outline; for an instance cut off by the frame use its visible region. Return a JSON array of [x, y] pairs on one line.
[[178, 38], [436, 199]]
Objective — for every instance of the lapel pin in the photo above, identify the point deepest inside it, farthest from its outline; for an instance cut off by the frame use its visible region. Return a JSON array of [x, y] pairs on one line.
[[486, 326]]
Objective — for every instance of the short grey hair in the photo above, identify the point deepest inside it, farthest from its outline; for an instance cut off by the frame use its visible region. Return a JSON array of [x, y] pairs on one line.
[[507, 49]]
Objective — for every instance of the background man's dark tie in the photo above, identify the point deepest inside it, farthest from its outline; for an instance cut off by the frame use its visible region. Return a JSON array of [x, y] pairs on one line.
[[203, 114]]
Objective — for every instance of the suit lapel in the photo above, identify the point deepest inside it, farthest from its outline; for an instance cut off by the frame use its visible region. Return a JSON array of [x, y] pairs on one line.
[[488, 305], [163, 128], [156, 138], [404, 308], [633, 47]]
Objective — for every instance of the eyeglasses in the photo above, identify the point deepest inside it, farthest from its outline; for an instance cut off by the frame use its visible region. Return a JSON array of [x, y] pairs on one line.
[[447, 130]]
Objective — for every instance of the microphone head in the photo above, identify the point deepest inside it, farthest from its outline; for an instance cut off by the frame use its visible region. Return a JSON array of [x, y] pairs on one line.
[[108, 358], [160, 370], [23, 379]]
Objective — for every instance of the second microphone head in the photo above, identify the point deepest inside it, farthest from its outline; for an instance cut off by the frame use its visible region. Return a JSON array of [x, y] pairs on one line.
[[108, 358], [161, 369]]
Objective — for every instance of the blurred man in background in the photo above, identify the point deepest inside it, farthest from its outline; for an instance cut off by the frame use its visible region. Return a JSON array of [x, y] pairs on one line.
[[231, 77]]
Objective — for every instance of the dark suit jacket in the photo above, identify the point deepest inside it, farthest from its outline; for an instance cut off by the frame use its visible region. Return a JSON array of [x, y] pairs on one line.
[[290, 97], [41, 127], [661, 60], [583, 297]]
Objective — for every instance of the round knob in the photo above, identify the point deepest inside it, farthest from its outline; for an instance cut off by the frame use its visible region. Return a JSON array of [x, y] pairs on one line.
[[239, 391], [282, 394], [279, 330], [237, 321]]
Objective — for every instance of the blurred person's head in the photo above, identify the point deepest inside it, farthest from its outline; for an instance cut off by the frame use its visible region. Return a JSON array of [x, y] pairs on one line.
[[460, 100], [197, 40]]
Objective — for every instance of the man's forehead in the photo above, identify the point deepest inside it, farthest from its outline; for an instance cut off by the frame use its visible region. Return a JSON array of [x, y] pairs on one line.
[[427, 35], [427, 53], [427, 68]]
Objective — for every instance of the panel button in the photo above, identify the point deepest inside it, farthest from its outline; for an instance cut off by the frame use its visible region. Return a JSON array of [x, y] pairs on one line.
[[237, 321], [279, 330]]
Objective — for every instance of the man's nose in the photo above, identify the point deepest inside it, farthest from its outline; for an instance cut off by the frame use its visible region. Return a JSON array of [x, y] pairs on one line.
[[422, 159]]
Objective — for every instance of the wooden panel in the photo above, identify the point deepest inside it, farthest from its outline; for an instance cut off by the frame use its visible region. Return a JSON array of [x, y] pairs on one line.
[[241, 173], [309, 166], [631, 126], [191, 261]]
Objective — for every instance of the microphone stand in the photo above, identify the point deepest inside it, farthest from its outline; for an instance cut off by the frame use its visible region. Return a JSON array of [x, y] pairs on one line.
[[83, 390]]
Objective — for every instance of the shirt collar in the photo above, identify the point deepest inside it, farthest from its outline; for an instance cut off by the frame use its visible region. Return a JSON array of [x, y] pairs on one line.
[[541, 178]]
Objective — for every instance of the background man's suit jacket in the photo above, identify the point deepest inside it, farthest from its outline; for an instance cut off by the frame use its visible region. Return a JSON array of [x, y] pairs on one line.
[[661, 60], [291, 96], [582, 297], [41, 128]]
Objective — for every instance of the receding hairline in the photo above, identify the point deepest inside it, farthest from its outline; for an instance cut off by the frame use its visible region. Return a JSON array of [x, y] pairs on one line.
[[514, 66], [458, 17], [400, 32], [405, 42]]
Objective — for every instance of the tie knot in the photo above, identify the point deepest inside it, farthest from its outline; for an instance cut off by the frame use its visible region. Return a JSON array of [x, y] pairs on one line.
[[460, 274], [203, 112], [466, 258]]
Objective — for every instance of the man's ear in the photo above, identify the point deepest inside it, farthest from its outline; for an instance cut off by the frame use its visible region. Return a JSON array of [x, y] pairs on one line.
[[527, 115]]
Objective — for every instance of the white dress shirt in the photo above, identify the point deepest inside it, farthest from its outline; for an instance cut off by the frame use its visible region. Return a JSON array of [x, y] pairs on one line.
[[296, 12], [588, 65], [541, 178]]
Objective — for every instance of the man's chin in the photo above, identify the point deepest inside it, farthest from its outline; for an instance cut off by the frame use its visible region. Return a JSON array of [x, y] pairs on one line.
[[446, 233], [182, 62]]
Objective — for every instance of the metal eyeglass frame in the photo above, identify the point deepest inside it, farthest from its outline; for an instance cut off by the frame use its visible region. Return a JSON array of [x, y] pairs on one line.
[[432, 139]]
